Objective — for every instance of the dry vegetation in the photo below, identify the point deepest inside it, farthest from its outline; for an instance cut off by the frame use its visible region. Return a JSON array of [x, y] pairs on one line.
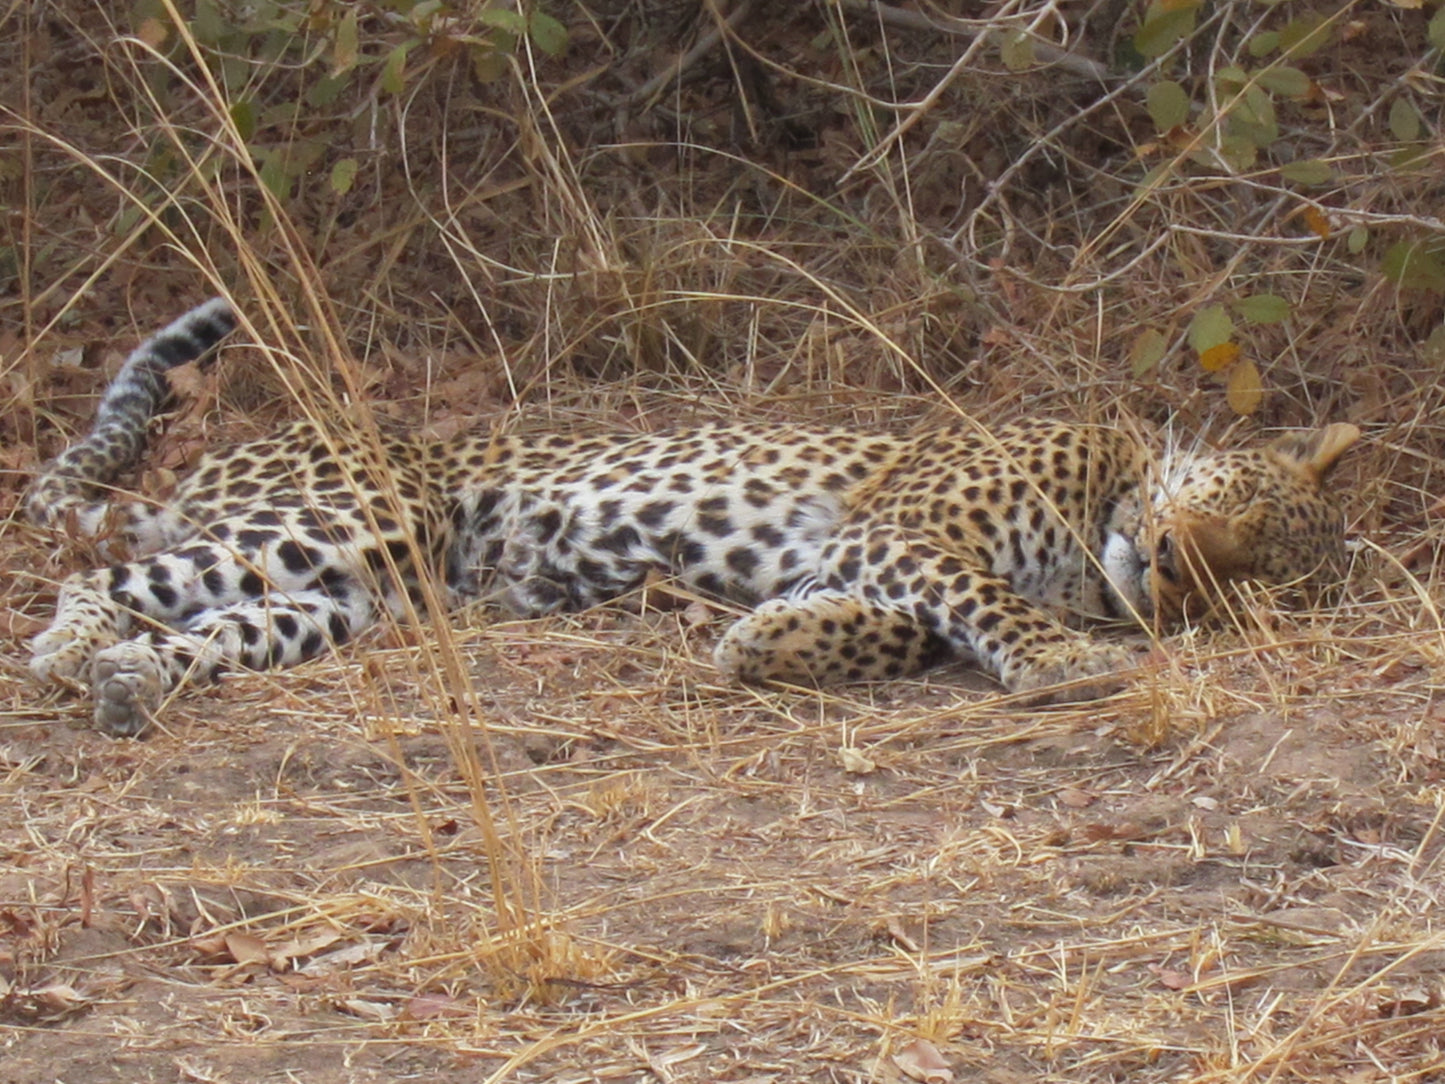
[[560, 850]]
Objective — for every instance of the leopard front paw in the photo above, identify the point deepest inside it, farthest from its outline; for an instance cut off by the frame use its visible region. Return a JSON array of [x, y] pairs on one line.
[[127, 684], [1074, 670]]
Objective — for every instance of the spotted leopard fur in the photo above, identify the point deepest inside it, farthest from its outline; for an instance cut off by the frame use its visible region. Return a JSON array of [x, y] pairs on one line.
[[871, 555]]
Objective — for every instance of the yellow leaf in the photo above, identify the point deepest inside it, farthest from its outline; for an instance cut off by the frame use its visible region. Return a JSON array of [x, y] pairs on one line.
[[1017, 52], [1148, 350], [1317, 221], [1243, 391], [1218, 358], [153, 32], [346, 49]]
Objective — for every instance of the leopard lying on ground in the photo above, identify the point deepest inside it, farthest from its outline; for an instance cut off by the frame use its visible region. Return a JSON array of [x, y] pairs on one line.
[[872, 555]]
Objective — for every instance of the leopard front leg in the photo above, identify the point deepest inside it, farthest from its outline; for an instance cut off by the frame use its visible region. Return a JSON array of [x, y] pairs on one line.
[[891, 599], [1073, 668], [130, 680], [981, 614]]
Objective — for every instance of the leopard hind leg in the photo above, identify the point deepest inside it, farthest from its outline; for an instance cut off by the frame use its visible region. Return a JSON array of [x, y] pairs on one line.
[[131, 678], [826, 637], [88, 618], [99, 608], [202, 608]]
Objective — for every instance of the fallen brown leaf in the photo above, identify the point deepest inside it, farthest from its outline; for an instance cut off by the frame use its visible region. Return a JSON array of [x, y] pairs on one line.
[[920, 1060]]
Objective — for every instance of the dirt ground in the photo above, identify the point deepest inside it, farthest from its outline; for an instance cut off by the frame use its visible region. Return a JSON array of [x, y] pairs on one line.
[[290, 882], [563, 850]]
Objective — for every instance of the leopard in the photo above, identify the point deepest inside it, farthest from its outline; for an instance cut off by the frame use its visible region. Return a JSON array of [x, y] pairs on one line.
[[857, 555]]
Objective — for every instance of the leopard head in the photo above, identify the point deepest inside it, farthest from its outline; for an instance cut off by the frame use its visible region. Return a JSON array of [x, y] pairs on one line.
[[1262, 514]]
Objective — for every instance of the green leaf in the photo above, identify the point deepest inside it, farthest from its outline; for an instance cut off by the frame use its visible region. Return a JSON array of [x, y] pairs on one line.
[[1168, 105], [488, 63], [1415, 265], [548, 34], [327, 89], [1309, 171], [1435, 31], [303, 154], [1209, 328], [1433, 350], [259, 15], [128, 218], [1281, 79], [275, 176], [1412, 156], [1404, 121], [343, 176], [1239, 149], [1263, 309], [1147, 351], [236, 72], [1306, 35], [275, 44], [1163, 26], [393, 71], [1356, 240], [504, 19], [1231, 78], [423, 14], [1263, 43], [285, 19], [1258, 112], [208, 26], [1156, 176], [243, 116]]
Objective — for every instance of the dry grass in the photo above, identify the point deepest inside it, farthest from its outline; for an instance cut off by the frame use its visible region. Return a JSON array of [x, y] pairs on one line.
[[560, 850]]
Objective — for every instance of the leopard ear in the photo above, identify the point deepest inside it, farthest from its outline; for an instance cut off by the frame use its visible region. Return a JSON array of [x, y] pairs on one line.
[[1314, 454]]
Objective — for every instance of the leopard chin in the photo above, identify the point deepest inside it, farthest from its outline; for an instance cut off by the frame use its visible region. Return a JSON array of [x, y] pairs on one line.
[[1130, 576]]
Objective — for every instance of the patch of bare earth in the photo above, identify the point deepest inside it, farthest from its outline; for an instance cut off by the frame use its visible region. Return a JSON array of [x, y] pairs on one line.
[[725, 884]]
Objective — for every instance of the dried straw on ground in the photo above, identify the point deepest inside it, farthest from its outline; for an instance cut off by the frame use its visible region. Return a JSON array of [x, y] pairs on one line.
[[562, 851]]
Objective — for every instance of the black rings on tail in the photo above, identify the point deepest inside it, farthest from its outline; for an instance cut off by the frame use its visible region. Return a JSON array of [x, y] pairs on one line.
[[75, 480]]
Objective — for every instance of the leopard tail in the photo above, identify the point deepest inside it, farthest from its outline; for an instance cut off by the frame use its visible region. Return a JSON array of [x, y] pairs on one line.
[[77, 481]]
